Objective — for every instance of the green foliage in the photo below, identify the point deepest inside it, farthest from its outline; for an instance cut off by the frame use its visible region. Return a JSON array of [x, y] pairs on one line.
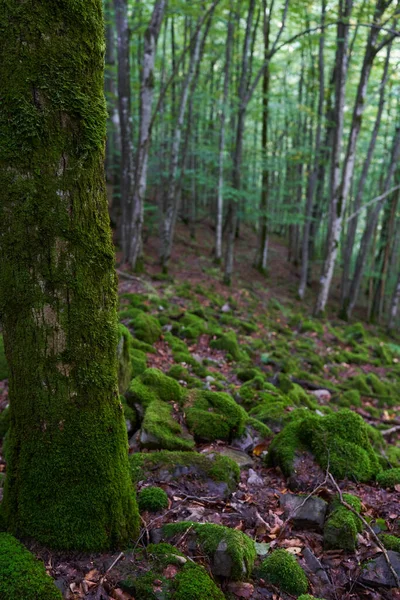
[[214, 415], [282, 569], [240, 547], [389, 478], [338, 439], [22, 577], [152, 499]]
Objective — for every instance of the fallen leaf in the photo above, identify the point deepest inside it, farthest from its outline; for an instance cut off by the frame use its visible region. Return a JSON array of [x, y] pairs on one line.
[[170, 571]]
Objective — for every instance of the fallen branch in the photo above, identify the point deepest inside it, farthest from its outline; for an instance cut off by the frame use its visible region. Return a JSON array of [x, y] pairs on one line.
[[369, 528], [391, 430]]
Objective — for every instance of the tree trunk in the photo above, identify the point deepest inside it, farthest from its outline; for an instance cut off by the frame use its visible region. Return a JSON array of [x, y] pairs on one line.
[[313, 178], [221, 156], [125, 118], [336, 207], [370, 228], [142, 156], [394, 309], [352, 229], [68, 482]]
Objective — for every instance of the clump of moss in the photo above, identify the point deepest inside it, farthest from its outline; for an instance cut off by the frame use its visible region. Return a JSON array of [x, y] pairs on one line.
[[350, 398], [160, 430], [214, 466], [355, 333], [391, 542], [214, 415], [209, 537], [194, 583], [229, 343], [309, 325], [359, 383], [3, 361], [152, 499], [282, 569], [247, 374], [339, 439], [192, 326], [124, 359], [389, 478], [342, 526], [145, 327], [138, 362], [273, 413], [154, 385], [262, 429], [21, 575]]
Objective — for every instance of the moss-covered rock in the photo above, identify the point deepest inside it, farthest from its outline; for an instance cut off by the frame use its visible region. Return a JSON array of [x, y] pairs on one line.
[[231, 552], [22, 577], [282, 570], [229, 343], [146, 328], [161, 431], [151, 385], [138, 362], [389, 478], [355, 333], [342, 526], [174, 465], [391, 542], [152, 499], [273, 413], [339, 439], [194, 583], [213, 415]]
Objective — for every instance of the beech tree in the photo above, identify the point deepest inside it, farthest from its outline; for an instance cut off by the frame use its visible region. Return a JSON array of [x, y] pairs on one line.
[[68, 483]]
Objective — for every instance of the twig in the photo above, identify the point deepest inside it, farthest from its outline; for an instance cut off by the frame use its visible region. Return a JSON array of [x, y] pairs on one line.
[[369, 528], [120, 555], [391, 430]]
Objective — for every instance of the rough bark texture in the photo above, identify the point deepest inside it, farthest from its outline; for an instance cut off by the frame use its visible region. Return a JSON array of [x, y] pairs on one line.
[[68, 483]]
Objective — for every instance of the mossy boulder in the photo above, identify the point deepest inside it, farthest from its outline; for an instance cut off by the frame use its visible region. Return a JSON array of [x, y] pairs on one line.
[[339, 439], [282, 570], [161, 431], [389, 478], [169, 466], [145, 327], [3, 361], [184, 581], [213, 415], [152, 499], [342, 526], [22, 577], [228, 342], [151, 385], [272, 412], [231, 552]]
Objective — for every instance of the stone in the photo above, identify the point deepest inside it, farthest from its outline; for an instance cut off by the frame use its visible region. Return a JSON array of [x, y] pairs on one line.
[[226, 308], [315, 566], [310, 515], [241, 458], [323, 396], [376, 572], [222, 561], [254, 479]]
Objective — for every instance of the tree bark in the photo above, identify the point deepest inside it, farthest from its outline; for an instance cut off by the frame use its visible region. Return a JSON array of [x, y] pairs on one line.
[[142, 155], [394, 309], [370, 228], [336, 206], [68, 482], [125, 118]]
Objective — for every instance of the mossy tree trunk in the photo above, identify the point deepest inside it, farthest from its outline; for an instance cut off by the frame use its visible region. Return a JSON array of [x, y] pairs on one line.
[[68, 482]]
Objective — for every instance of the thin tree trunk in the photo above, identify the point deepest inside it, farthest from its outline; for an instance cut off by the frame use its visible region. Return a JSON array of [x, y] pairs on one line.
[[312, 182], [68, 482], [352, 229], [146, 102], [221, 154], [370, 228], [336, 207], [125, 118], [394, 309]]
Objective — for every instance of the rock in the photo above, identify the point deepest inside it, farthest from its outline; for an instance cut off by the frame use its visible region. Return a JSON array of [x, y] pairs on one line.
[[241, 589], [262, 548], [322, 396], [226, 308], [241, 458], [310, 515], [315, 566], [376, 573], [156, 535], [249, 440], [222, 561], [254, 479]]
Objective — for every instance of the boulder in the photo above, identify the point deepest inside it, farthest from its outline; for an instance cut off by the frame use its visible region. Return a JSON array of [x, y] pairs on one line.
[[376, 573], [304, 515]]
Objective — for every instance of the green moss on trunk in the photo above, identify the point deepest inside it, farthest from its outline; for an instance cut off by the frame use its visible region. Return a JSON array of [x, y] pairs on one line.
[[68, 482]]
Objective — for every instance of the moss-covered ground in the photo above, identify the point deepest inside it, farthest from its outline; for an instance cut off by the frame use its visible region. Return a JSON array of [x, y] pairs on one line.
[[233, 397]]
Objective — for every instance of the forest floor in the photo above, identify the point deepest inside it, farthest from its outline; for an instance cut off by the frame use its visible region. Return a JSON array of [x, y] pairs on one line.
[[255, 342]]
